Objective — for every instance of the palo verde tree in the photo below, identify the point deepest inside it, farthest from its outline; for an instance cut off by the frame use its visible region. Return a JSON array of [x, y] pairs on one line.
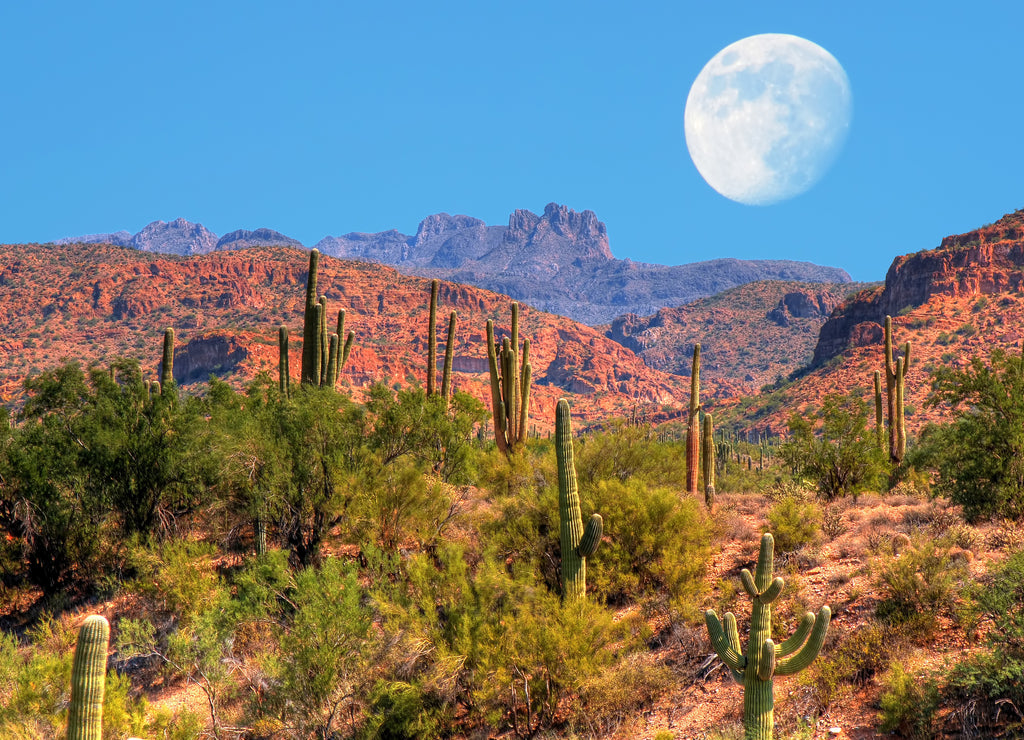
[[979, 457]]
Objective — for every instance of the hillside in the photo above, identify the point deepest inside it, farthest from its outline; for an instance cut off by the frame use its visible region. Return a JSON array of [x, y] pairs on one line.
[[90, 302], [560, 261], [957, 301], [749, 335]]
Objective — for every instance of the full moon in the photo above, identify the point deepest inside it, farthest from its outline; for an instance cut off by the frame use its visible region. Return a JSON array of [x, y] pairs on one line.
[[766, 117]]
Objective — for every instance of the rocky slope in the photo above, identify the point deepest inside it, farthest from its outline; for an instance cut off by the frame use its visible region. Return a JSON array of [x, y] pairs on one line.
[[951, 303], [749, 336], [90, 302], [560, 261]]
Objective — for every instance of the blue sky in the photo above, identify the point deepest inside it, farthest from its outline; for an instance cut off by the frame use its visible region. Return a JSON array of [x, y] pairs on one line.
[[317, 118]]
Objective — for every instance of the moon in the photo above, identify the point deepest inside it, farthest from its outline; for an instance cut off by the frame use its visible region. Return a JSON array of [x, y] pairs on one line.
[[766, 117]]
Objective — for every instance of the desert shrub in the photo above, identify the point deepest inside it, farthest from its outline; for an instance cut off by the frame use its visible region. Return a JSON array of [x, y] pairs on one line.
[[852, 662], [404, 711], [909, 704], [618, 691], [919, 584], [654, 542], [794, 523], [627, 452], [998, 673]]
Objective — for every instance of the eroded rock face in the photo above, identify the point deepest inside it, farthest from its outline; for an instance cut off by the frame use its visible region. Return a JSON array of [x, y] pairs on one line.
[[986, 261], [217, 354]]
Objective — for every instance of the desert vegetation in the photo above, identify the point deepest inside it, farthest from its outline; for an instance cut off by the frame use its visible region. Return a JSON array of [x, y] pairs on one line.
[[285, 561]]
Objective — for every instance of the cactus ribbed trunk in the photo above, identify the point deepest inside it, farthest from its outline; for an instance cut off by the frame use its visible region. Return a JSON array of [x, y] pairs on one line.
[[756, 668], [879, 424], [708, 460], [88, 680], [259, 529], [432, 341], [510, 386], [167, 362], [692, 425], [283, 371], [576, 543], [895, 388], [334, 350], [449, 357], [311, 326]]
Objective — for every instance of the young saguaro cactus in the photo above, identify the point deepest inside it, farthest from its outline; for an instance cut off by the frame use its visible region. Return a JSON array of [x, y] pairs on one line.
[[283, 372], [707, 447], [693, 424], [756, 669], [167, 362], [577, 543], [510, 387], [88, 680]]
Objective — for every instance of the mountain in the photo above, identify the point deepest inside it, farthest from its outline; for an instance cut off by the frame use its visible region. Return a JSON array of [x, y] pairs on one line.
[[952, 303], [560, 262], [749, 335], [90, 302], [185, 238]]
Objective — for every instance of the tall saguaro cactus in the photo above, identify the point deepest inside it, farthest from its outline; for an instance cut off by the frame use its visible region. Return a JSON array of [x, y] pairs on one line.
[[510, 387], [879, 424], [167, 362], [756, 669], [432, 341], [88, 680], [693, 424], [311, 326], [707, 461], [577, 543], [283, 371], [895, 384], [449, 357]]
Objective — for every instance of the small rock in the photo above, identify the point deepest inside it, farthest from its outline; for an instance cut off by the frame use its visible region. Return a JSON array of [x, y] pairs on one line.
[[835, 730]]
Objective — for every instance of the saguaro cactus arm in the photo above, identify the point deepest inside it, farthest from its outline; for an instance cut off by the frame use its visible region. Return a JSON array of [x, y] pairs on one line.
[[722, 640], [806, 655], [88, 680], [591, 536]]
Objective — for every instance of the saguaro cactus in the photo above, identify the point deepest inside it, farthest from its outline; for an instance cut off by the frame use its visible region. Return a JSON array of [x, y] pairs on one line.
[[895, 382], [432, 341], [283, 371], [879, 424], [577, 543], [449, 357], [311, 326], [763, 660], [88, 680], [693, 424], [167, 362], [707, 446], [510, 387]]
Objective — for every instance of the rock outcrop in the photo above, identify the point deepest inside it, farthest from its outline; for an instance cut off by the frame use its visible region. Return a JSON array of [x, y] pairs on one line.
[[985, 261]]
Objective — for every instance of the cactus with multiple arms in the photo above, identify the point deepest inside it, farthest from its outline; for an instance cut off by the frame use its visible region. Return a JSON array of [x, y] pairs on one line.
[[318, 368], [577, 543], [707, 446], [693, 424], [895, 382], [88, 680], [763, 660], [510, 387]]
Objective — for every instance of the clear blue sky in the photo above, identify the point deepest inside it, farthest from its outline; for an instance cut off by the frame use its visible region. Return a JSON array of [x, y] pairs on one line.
[[317, 118]]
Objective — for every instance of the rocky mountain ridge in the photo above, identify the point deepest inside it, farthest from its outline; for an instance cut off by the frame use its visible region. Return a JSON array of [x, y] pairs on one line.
[[92, 302], [559, 261]]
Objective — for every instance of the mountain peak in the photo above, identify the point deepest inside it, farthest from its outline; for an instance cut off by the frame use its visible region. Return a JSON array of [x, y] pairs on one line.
[[180, 236]]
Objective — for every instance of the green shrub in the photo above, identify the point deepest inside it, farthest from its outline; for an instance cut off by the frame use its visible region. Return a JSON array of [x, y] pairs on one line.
[[794, 523], [403, 711], [853, 662], [919, 583], [909, 704]]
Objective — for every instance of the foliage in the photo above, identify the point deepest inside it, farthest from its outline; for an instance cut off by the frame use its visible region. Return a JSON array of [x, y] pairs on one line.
[[844, 459], [909, 704], [919, 584], [979, 458], [794, 523]]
